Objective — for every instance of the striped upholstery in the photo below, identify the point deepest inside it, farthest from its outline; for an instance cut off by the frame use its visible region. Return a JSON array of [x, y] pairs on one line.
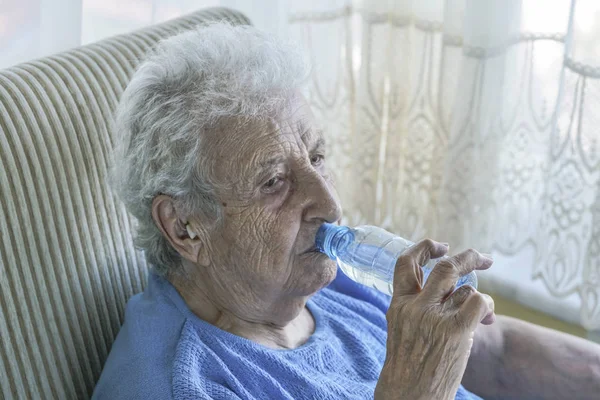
[[67, 263]]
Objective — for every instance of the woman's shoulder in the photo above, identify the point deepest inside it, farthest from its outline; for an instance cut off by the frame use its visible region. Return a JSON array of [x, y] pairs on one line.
[[139, 364]]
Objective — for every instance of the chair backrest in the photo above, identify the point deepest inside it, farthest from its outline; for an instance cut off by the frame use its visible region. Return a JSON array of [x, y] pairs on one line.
[[67, 262]]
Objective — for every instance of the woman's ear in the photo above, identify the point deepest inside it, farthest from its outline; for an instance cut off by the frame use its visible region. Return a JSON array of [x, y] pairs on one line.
[[183, 236]]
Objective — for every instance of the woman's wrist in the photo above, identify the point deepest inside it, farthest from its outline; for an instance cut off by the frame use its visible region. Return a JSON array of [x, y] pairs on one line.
[[410, 386]]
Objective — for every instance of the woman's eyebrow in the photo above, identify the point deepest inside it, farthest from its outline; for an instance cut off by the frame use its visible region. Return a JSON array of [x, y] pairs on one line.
[[268, 164], [308, 135], [307, 130], [319, 143]]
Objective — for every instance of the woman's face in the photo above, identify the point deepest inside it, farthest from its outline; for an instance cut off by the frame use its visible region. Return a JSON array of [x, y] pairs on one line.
[[275, 193]]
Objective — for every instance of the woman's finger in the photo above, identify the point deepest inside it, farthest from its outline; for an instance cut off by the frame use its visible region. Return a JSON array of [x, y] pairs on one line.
[[425, 250], [476, 309], [471, 306], [455, 301], [445, 274], [490, 317], [408, 275]]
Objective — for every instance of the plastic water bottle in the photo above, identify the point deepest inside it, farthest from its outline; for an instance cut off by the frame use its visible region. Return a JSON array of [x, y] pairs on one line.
[[368, 254]]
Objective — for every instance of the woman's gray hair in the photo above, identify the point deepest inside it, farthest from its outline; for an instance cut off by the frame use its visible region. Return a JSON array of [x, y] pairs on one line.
[[189, 85]]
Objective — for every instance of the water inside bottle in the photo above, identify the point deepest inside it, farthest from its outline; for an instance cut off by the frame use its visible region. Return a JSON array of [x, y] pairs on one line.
[[366, 278], [376, 282]]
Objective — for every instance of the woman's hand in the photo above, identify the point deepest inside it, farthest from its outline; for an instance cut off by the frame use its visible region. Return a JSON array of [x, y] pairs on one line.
[[430, 330]]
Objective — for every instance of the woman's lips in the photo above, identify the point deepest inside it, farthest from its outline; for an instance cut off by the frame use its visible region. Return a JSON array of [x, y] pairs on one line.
[[311, 250]]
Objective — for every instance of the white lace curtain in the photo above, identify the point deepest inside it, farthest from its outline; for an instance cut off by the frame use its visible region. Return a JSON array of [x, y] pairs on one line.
[[35, 28], [472, 122]]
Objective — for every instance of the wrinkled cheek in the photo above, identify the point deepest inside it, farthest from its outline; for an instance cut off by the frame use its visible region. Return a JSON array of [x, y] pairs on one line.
[[269, 259], [283, 231]]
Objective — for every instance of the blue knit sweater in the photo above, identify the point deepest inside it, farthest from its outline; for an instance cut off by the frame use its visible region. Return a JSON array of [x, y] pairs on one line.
[[164, 351]]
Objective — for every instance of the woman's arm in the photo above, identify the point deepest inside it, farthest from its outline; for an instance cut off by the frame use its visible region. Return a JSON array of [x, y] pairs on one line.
[[519, 360]]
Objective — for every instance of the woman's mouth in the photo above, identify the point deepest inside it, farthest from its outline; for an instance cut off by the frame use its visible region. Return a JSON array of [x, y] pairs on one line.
[[312, 249]]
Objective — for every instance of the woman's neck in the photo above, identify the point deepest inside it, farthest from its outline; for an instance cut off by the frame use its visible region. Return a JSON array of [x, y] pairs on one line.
[[293, 335], [286, 334]]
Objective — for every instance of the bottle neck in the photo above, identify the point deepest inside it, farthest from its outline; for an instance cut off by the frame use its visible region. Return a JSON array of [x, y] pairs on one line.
[[333, 240]]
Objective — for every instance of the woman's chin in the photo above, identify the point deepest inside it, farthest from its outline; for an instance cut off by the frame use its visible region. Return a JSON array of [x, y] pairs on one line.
[[317, 271]]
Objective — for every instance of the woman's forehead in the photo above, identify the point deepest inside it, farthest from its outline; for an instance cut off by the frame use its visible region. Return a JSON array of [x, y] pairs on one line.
[[244, 149]]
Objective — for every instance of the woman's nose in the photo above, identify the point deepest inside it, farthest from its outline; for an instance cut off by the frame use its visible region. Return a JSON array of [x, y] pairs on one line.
[[320, 199]]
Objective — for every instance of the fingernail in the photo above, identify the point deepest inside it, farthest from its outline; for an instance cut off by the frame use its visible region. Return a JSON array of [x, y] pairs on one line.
[[490, 319], [446, 244], [488, 261]]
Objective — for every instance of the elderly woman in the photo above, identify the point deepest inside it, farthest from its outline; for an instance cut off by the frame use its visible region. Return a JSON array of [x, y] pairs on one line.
[[224, 167]]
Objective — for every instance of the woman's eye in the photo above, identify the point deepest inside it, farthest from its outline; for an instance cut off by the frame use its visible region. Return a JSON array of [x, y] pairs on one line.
[[273, 184], [317, 159]]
